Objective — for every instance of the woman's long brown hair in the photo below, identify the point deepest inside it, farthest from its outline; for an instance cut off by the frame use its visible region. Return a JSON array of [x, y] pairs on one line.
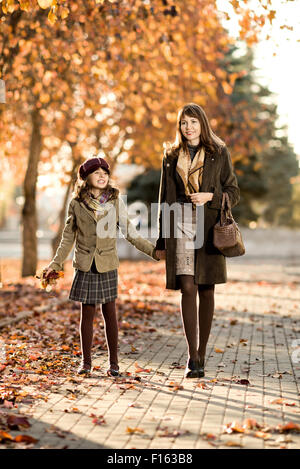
[[208, 139]]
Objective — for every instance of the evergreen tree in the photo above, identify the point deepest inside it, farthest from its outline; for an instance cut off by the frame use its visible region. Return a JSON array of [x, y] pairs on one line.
[[264, 174], [267, 161]]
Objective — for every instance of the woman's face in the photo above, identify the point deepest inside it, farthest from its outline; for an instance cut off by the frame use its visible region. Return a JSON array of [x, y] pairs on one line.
[[190, 128], [98, 179]]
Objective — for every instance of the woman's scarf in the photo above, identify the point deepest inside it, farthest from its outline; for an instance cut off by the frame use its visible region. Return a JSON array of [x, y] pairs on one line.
[[191, 171]]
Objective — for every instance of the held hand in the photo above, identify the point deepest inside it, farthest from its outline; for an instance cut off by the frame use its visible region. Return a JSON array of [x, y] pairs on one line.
[[200, 198], [161, 253]]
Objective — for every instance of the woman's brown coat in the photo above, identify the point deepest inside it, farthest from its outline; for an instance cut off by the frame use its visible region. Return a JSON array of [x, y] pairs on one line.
[[218, 177]]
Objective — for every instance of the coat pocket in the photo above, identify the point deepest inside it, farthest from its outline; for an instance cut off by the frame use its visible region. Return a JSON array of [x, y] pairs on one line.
[[83, 249], [108, 259]]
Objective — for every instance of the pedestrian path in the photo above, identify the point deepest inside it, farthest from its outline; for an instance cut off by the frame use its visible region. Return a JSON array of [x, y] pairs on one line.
[[249, 393]]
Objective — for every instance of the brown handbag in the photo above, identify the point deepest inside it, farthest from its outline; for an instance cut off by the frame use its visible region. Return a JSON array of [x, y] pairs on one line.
[[227, 236]]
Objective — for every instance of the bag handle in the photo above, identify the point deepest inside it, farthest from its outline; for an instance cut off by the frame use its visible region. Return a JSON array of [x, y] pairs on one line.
[[225, 209]]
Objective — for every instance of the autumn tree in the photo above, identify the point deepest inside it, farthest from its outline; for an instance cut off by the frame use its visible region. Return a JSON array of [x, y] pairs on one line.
[[107, 76]]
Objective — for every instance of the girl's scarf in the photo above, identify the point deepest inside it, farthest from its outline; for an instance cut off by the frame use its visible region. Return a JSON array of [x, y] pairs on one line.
[[191, 171], [94, 203]]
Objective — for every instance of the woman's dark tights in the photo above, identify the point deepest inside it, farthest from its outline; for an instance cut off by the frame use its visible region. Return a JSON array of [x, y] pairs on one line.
[[193, 320], [111, 330]]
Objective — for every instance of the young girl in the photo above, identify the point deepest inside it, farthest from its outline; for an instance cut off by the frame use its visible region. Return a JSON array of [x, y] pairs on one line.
[[96, 260], [196, 170]]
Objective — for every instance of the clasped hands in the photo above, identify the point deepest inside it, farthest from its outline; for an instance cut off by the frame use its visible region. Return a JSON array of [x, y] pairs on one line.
[[198, 198]]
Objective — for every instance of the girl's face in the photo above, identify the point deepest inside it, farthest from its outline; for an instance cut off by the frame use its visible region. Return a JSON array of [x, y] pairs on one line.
[[190, 128], [98, 179]]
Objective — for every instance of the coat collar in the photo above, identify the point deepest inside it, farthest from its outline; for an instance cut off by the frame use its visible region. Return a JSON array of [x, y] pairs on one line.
[[90, 212], [171, 158]]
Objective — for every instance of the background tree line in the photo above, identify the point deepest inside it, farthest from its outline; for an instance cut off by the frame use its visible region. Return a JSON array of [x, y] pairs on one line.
[[109, 76]]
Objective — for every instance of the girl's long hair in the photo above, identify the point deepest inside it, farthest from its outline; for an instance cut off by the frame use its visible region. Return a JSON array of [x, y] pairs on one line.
[[81, 188], [208, 139]]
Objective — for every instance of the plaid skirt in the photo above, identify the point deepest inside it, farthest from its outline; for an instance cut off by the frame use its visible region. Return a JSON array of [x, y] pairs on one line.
[[94, 287]]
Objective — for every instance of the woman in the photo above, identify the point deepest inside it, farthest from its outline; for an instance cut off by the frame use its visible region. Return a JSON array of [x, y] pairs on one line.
[[95, 211], [196, 170]]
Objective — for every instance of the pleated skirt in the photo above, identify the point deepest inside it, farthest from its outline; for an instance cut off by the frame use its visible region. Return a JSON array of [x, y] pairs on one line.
[[94, 287]]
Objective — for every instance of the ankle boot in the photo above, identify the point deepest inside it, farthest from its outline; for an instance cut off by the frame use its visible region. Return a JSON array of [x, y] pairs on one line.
[[201, 367], [84, 368], [192, 369]]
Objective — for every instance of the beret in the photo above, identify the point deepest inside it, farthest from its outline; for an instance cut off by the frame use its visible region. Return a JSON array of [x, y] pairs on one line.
[[90, 165]]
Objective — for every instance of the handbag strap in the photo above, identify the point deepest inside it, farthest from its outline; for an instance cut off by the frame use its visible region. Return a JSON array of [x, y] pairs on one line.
[[225, 209]]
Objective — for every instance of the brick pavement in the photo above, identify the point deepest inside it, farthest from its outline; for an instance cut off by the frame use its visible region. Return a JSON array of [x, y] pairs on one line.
[[256, 321]]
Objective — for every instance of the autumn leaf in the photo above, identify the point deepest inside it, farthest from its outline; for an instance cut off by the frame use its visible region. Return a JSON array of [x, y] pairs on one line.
[[134, 430], [261, 434], [138, 369], [245, 382], [250, 424], [290, 426], [202, 385], [99, 420], [277, 401], [233, 443], [175, 386], [16, 422], [45, 3], [218, 350], [25, 439], [233, 427], [4, 436], [165, 432]]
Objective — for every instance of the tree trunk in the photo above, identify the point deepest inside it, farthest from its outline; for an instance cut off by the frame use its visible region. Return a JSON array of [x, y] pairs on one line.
[[29, 215], [62, 214]]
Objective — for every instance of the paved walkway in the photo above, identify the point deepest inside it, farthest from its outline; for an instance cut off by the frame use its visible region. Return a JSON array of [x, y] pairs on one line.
[[252, 372]]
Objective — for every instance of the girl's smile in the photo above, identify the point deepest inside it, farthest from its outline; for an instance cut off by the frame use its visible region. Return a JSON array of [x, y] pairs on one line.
[[98, 180]]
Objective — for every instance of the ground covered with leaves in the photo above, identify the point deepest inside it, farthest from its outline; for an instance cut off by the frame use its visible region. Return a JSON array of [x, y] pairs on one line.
[[39, 355]]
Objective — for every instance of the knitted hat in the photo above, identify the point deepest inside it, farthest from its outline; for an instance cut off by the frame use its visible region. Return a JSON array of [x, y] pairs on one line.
[[90, 165]]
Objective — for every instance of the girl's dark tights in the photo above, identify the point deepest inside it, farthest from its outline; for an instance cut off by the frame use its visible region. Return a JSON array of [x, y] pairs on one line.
[[86, 330], [197, 325]]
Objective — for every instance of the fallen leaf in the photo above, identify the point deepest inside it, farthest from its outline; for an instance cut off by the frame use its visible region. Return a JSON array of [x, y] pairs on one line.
[[4, 436], [138, 369], [243, 381], [166, 433], [233, 427], [25, 439], [202, 385], [277, 401], [234, 443], [250, 424], [134, 430], [261, 434], [16, 422], [290, 426], [175, 386]]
